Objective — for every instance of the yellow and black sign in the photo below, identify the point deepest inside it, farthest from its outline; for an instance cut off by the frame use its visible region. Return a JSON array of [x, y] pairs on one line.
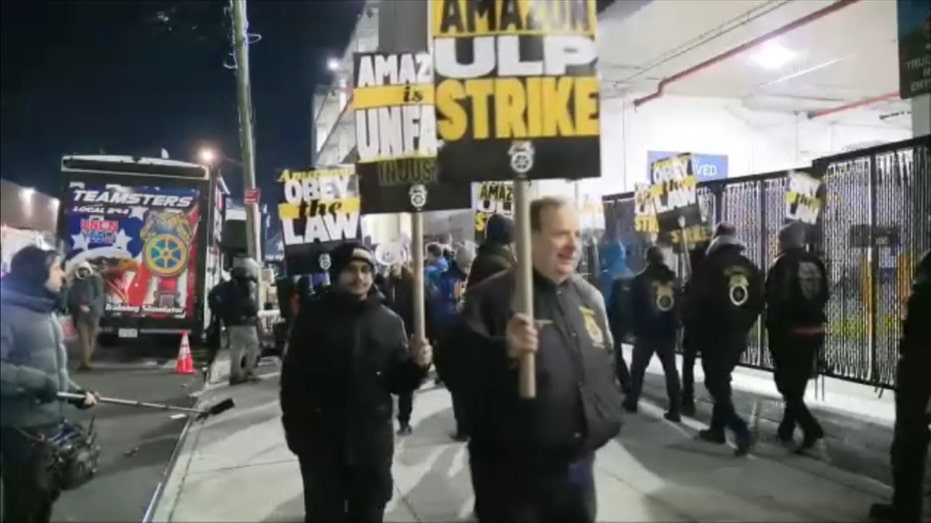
[[318, 209], [516, 89], [674, 193], [803, 198], [396, 136], [492, 198]]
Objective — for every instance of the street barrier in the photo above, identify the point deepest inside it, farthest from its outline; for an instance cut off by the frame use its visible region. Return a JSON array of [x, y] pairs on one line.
[[872, 230]]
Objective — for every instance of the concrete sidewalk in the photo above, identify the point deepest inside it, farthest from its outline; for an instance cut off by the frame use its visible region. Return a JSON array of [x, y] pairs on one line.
[[857, 421], [237, 467]]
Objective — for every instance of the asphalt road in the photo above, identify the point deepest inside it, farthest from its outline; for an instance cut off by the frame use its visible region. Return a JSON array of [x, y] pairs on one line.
[[136, 444]]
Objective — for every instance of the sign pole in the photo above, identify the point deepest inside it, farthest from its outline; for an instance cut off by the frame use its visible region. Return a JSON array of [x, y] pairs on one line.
[[527, 371], [420, 328]]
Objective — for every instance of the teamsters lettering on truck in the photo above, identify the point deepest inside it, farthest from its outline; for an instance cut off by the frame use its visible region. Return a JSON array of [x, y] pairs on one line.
[[130, 198]]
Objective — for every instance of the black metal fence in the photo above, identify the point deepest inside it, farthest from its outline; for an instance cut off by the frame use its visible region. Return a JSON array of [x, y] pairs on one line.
[[873, 229]]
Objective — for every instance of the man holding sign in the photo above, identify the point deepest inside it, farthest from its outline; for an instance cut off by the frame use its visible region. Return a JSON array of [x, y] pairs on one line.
[[347, 354], [537, 454]]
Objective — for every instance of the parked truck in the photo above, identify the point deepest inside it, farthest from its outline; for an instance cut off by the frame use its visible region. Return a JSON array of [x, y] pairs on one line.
[[153, 230]]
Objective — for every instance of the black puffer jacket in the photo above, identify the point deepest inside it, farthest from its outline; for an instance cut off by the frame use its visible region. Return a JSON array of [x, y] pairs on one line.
[[345, 359], [490, 259]]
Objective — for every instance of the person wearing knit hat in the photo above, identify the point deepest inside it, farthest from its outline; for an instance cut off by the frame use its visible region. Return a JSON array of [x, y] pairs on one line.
[[796, 295], [347, 354], [495, 254], [445, 304], [35, 370], [724, 303], [86, 302]]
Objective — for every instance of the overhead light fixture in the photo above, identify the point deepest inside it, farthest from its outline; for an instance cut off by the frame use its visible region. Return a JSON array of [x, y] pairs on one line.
[[773, 56], [332, 64]]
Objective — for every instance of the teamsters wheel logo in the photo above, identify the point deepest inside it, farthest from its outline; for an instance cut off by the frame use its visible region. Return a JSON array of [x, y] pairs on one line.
[[165, 255], [325, 261], [521, 154], [418, 194], [738, 290]]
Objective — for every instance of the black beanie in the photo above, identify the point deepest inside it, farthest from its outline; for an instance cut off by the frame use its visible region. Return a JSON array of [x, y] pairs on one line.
[[654, 255], [499, 230], [30, 265], [346, 253]]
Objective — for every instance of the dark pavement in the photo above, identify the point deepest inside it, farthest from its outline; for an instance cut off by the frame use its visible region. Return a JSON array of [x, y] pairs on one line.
[[136, 444]]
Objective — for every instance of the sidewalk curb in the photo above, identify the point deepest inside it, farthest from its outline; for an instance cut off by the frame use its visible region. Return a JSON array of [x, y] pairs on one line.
[[165, 497]]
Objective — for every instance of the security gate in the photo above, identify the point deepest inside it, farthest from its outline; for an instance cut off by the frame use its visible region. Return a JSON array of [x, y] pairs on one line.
[[874, 226]]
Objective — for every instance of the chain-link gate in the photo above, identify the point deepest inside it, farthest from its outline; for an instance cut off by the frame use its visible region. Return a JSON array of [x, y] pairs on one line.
[[873, 229]]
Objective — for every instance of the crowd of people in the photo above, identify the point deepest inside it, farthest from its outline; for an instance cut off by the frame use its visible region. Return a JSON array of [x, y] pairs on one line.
[[352, 346]]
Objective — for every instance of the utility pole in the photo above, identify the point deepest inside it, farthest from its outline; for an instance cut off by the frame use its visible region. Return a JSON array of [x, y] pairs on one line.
[[246, 138]]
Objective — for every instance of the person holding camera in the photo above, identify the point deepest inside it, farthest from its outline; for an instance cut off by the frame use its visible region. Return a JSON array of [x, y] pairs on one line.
[[34, 370]]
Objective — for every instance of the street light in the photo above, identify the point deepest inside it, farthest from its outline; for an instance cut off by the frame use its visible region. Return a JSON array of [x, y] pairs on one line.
[[332, 64], [207, 156]]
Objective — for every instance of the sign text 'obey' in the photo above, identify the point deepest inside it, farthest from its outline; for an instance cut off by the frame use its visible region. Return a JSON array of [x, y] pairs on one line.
[[319, 206]]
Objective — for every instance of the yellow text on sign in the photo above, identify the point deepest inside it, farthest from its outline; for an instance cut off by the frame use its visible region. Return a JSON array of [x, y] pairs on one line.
[[539, 107], [290, 211], [464, 18], [391, 95]]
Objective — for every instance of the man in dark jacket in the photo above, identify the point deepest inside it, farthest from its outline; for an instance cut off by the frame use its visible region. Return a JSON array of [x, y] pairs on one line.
[[536, 455], [725, 301], [86, 302], [690, 348], [348, 353], [494, 255], [619, 318], [238, 304], [912, 405], [796, 294], [655, 311]]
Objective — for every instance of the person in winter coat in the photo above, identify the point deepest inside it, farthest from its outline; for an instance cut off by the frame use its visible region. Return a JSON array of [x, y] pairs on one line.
[[532, 460], [690, 348], [348, 353], [655, 310], [86, 302], [445, 307], [724, 303], [619, 318], [495, 254], [239, 307], [796, 294], [912, 406], [435, 264], [33, 370]]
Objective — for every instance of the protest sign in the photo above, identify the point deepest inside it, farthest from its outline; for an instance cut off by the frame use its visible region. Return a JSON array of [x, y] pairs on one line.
[[396, 136], [516, 89], [674, 193], [492, 198], [319, 209], [803, 197]]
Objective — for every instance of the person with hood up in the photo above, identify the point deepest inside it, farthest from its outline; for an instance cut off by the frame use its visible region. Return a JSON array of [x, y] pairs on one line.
[[435, 264], [86, 302], [348, 353], [796, 294], [239, 308], [725, 301], [33, 370], [655, 310], [445, 306], [494, 254]]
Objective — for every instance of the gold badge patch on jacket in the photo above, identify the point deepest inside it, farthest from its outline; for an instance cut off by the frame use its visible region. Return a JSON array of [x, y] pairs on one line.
[[591, 325]]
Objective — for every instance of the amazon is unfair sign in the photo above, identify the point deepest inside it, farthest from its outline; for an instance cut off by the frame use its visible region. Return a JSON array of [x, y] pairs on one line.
[[516, 78]]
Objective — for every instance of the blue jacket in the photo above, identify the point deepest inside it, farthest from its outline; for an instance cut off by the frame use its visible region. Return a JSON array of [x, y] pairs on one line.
[[432, 274], [446, 296], [613, 258]]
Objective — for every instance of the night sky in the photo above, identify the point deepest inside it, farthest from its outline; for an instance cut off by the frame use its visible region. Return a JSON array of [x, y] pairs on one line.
[[133, 77]]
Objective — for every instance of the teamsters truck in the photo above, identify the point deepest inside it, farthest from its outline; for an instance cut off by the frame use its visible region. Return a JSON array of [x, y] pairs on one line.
[[152, 228]]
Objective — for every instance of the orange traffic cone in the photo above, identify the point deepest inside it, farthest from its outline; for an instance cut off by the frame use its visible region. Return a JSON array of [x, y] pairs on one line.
[[184, 364]]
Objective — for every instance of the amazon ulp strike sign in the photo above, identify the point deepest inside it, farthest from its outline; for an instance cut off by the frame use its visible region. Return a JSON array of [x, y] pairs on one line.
[[396, 136], [516, 89], [804, 197], [492, 198], [319, 209]]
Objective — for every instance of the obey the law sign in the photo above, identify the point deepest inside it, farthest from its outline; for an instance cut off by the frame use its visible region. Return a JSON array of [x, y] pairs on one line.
[[318, 209], [516, 89]]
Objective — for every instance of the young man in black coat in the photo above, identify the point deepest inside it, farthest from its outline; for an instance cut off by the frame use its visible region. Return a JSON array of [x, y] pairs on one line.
[[494, 254], [348, 353]]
